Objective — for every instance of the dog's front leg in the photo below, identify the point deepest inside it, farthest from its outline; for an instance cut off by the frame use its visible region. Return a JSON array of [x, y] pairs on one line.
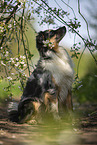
[[69, 104], [51, 103]]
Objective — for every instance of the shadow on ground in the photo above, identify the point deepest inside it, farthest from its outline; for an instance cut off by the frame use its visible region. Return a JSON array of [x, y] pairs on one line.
[[82, 130]]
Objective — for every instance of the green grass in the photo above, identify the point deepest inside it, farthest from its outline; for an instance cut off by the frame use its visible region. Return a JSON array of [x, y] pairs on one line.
[[4, 96]]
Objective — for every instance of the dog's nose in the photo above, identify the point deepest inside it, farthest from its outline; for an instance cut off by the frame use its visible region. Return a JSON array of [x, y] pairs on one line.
[[64, 29], [61, 30]]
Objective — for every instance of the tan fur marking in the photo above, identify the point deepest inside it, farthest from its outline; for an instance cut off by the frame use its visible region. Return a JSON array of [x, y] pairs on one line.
[[46, 97], [36, 105], [50, 99], [53, 40]]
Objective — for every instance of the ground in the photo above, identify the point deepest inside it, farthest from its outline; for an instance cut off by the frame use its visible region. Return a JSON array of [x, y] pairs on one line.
[[83, 130]]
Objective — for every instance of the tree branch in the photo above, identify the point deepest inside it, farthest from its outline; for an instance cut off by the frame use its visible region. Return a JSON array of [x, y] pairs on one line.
[[69, 7], [84, 19], [86, 42], [7, 20], [22, 33]]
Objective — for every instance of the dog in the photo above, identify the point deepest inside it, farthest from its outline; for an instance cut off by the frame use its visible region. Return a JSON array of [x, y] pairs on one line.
[[50, 83]]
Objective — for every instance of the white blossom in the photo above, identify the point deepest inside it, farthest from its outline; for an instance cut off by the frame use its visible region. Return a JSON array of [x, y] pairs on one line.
[[48, 43], [45, 45], [22, 62], [3, 63], [6, 54], [1, 29], [24, 65], [9, 78], [14, 23], [9, 26], [11, 59], [17, 64], [53, 45], [23, 57], [12, 73], [16, 59]]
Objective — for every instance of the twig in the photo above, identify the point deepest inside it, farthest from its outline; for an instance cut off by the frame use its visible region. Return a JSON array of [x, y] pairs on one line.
[[84, 19], [69, 7], [94, 112], [64, 22], [7, 20], [24, 42], [80, 60], [6, 8], [28, 23], [59, 18]]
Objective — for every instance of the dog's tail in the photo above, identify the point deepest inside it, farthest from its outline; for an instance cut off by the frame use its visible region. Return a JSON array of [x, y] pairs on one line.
[[22, 111], [12, 110]]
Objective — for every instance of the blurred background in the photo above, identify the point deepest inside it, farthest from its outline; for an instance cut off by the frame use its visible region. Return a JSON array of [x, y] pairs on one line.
[[85, 88], [20, 22]]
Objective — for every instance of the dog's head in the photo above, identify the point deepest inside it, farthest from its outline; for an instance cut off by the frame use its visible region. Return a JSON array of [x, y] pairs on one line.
[[49, 39]]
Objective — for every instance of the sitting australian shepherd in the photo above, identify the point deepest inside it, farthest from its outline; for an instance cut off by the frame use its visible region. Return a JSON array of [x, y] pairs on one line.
[[48, 89]]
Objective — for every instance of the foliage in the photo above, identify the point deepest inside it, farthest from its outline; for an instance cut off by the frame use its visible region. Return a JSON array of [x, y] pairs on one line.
[[16, 15], [85, 90], [13, 27], [13, 94]]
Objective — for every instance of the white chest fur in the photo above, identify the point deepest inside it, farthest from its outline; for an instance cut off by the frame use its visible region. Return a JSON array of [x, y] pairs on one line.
[[61, 68]]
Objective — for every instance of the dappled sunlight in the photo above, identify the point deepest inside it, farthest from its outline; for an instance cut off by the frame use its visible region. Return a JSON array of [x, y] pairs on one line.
[[53, 133], [20, 22], [80, 128]]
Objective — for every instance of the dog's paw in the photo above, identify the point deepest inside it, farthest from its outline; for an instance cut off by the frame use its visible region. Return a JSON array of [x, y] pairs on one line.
[[32, 122]]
